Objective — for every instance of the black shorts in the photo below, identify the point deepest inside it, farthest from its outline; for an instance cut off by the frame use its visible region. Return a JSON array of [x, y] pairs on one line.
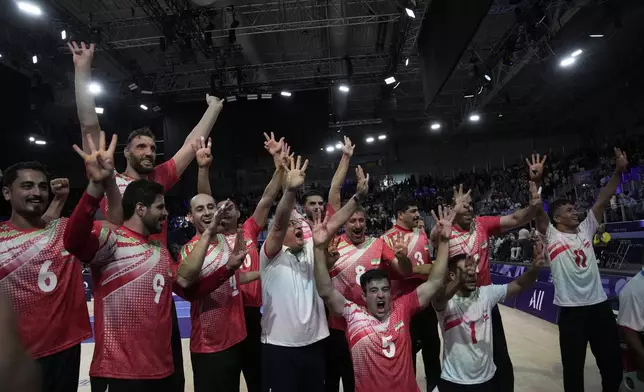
[[60, 371], [294, 369], [447, 386], [101, 384], [218, 371]]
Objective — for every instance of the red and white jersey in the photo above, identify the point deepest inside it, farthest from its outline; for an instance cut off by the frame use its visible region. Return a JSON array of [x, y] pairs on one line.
[[306, 226], [466, 324], [631, 304], [418, 254], [251, 292], [164, 174], [381, 350], [133, 278], [575, 272], [475, 243], [45, 285], [354, 261], [218, 320]]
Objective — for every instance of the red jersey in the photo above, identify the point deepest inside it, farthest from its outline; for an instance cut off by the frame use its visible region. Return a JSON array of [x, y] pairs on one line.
[[354, 261], [45, 285], [218, 320], [251, 292], [418, 255], [166, 175], [475, 243], [380, 350]]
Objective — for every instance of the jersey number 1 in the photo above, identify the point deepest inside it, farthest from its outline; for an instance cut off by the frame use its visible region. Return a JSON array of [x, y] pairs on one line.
[[580, 258]]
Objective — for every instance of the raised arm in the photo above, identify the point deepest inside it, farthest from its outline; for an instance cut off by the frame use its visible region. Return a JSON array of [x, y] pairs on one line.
[[343, 215], [335, 192], [295, 175], [204, 160], [535, 173], [186, 153], [60, 189], [85, 105], [280, 151], [322, 235], [401, 262], [114, 202], [527, 279], [621, 163], [523, 216], [436, 280], [461, 200]]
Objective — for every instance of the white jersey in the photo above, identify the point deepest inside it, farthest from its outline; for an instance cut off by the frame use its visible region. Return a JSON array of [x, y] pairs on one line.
[[631, 304], [575, 272], [466, 324], [293, 311]]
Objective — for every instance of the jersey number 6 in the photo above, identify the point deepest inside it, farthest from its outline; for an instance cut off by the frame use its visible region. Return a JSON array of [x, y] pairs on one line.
[[47, 280]]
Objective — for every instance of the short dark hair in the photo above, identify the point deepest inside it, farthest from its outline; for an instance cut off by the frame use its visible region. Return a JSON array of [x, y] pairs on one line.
[[309, 193], [452, 263], [555, 205], [145, 131], [402, 204], [371, 275], [139, 191], [11, 174]]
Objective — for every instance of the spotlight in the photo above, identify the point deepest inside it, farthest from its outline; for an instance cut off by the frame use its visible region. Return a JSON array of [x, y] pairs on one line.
[[382, 137], [406, 62], [29, 8], [232, 98], [344, 88], [32, 139], [567, 62], [63, 35], [267, 96], [157, 108], [329, 148], [576, 53], [0, 55], [410, 13], [99, 110], [251, 97], [34, 59], [390, 80], [285, 94], [95, 88], [143, 107], [397, 84], [500, 115], [436, 126], [40, 142], [132, 86], [596, 35], [468, 96], [338, 145], [474, 117], [488, 78], [146, 92], [369, 140]]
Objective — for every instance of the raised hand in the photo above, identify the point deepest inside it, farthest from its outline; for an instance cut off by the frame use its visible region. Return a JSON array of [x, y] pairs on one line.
[[460, 197], [216, 220], [82, 55], [295, 173], [60, 187], [535, 194], [320, 231], [538, 254], [239, 252], [99, 163], [203, 152], [271, 145], [535, 167], [444, 221], [400, 245], [347, 147], [211, 100], [621, 160], [332, 251], [362, 187]]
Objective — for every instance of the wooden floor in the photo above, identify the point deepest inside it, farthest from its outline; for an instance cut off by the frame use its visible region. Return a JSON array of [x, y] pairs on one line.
[[533, 345]]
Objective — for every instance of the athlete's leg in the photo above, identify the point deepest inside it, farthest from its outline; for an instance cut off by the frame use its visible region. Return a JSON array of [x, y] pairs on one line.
[[252, 349], [177, 378], [504, 376], [217, 371], [604, 343], [573, 340], [431, 346], [280, 370], [59, 371], [313, 363]]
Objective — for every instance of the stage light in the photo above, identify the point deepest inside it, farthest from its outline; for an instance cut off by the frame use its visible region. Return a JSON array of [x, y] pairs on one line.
[[285, 94], [390, 80], [29, 8], [41, 142], [99, 110], [95, 88], [156, 108], [369, 140], [567, 62], [34, 59], [500, 115], [596, 35], [0, 55], [146, 92], [267, 96], [406, 62], [435, 126], [474, 117], [397, 84], [143, 107], [232, 98], [410, 13], [344, 88], [63, 35], [338, 145], [468, 96], [329, 148], [32, 139], [382, 137], [251, 97], [488, 78], [132, 86], [576, 53]]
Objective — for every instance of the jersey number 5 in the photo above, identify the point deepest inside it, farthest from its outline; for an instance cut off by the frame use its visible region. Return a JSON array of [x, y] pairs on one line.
[[47, 280], [388, 347], [580, 258]]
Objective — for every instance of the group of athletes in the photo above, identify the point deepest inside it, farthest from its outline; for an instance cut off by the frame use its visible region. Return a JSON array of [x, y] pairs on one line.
[[306, 310]]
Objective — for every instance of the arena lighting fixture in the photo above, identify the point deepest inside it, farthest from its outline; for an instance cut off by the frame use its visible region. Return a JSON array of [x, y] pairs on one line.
[[29, 8], [410, 13], [63, 34], [596, 35], [99, 110], [285, 94], [338, 145], [146, 92], [32, 139], [488, 78], [329, 148], [40, 142], [34, 59], [406, 62], [156, 108], [474, 117], [382, 137], [390, 80], [143, 107], [500, 115], [232, 98], [95, 88], [251, 97], [567, 62], [435, 126], [397, 84], [267, 96], [576, 53], [369, 140], [344, 88], [468, 96], [132, 86]]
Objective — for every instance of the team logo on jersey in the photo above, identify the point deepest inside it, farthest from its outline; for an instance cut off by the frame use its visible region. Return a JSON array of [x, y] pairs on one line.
[[155, 243], [65, 253], [170, 272], [399, 325], [249, 242], [484, 245], [375, 261]]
